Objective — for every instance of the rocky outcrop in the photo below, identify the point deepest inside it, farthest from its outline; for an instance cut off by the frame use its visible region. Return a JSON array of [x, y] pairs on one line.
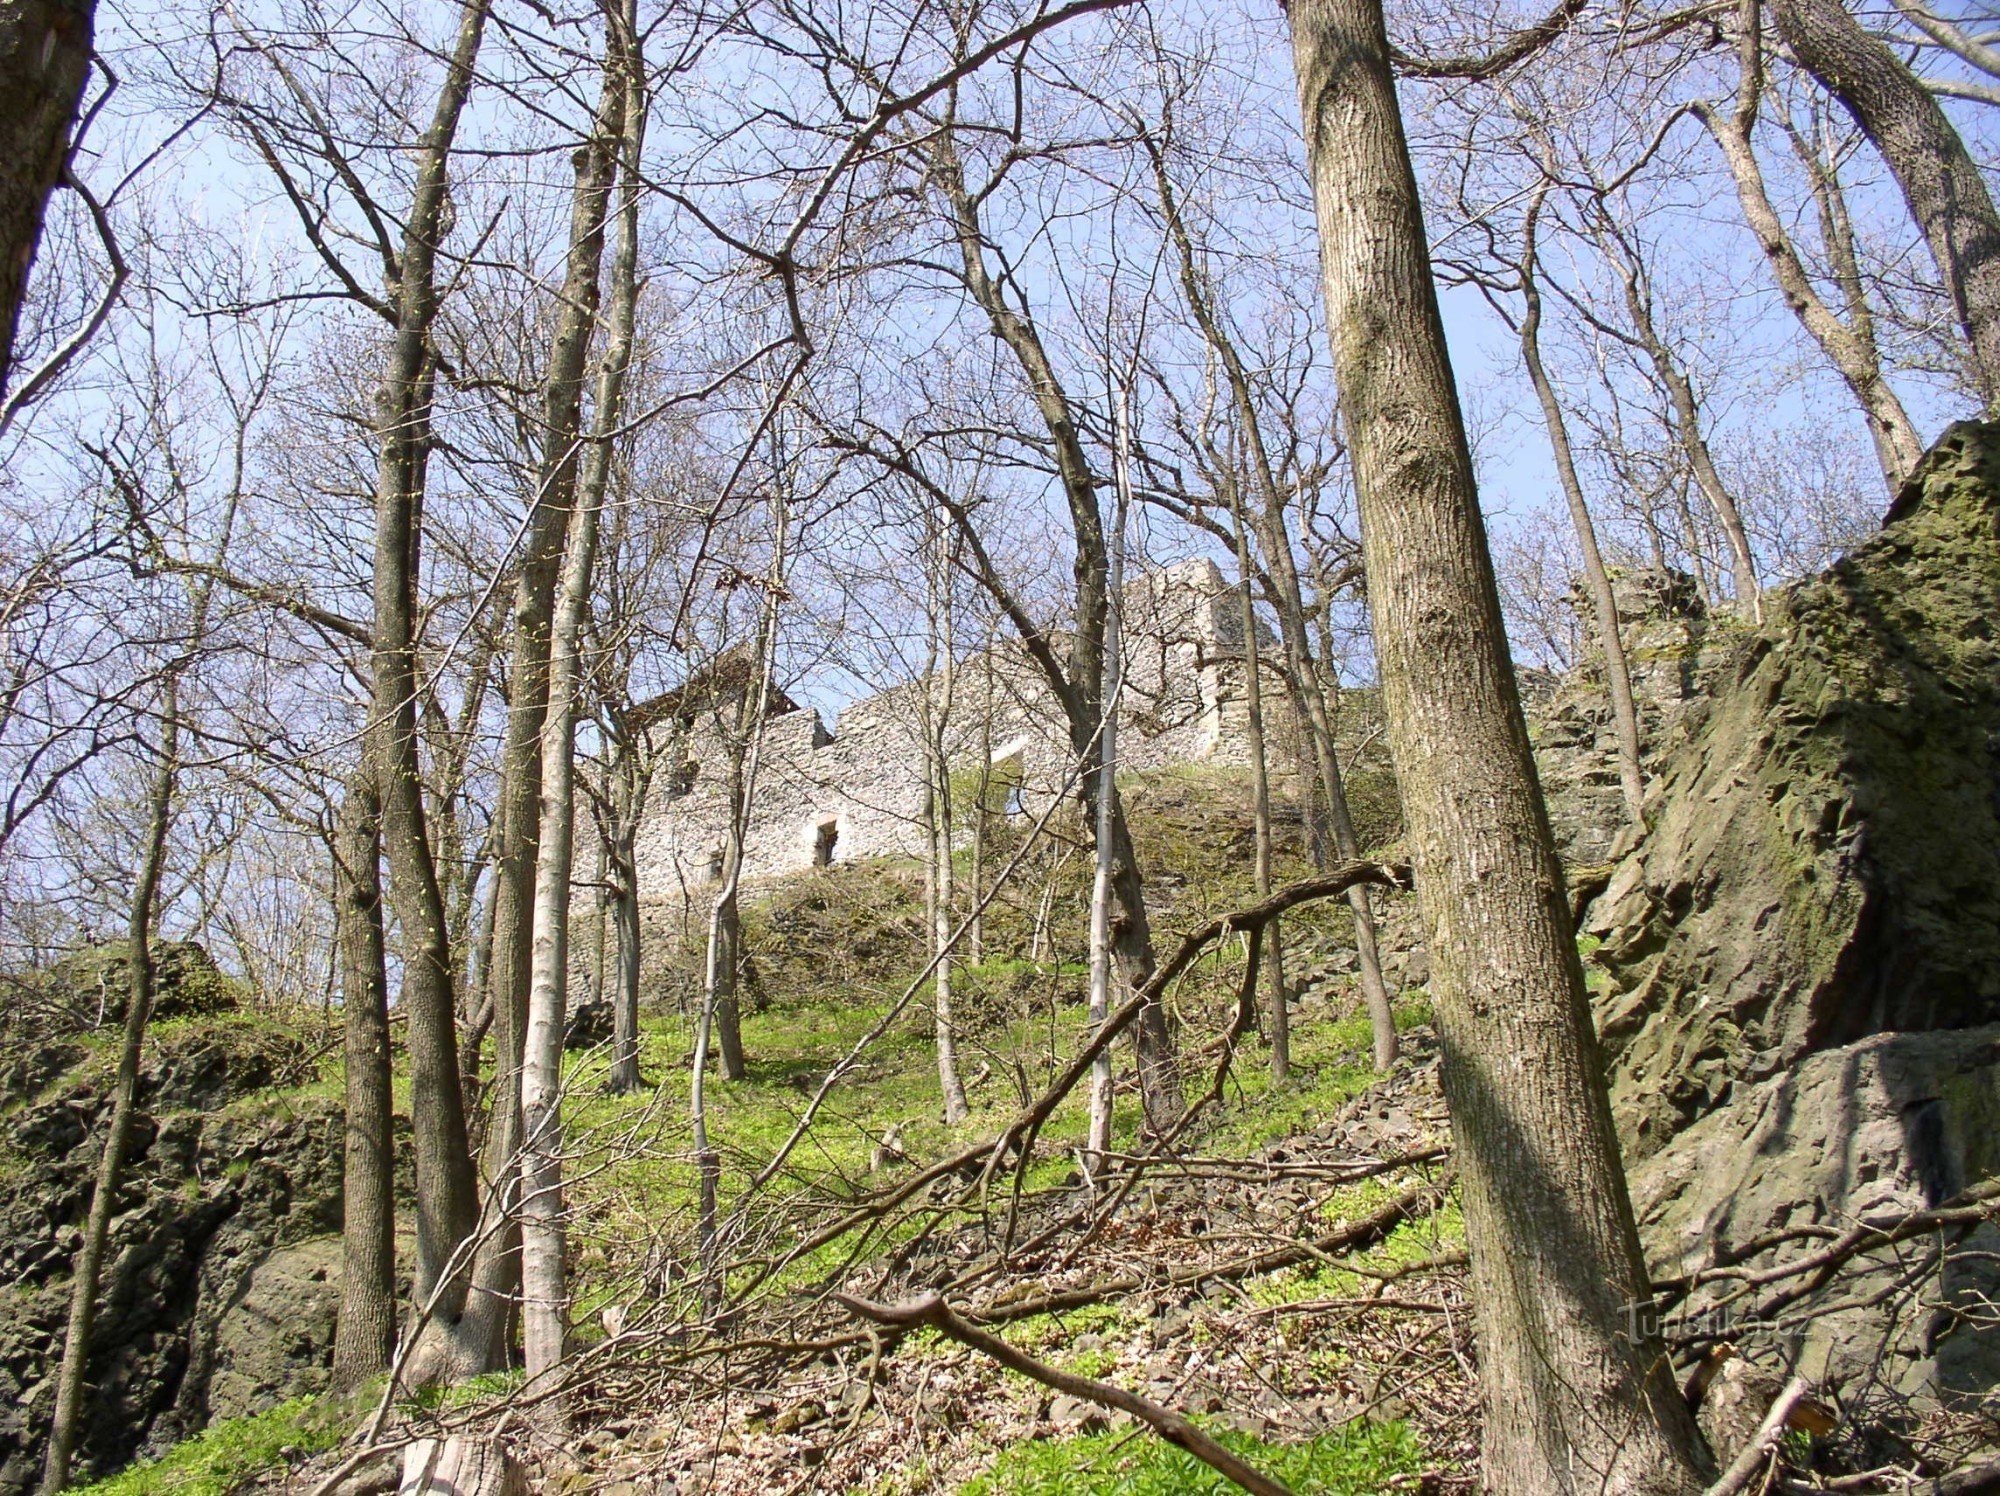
[[228, 1170], [1824, 858], [1875, 1130]]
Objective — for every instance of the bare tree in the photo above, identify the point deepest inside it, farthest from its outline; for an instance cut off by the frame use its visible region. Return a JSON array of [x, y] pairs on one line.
[[124, 1097], [544, 1297], [1942, 186], [1848, 344], [1575, 1401]]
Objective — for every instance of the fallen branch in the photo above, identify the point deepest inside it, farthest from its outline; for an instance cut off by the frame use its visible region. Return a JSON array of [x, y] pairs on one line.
[[1020, 1133], [1369, 1229], [932, 1310]]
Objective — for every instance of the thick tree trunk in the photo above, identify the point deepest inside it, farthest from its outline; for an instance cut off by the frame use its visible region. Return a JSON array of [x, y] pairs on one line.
[[447, 1195], [1574, 1401], [365, 1334], [89, 1267], [1604, 603], [1945, 190], [45, 50]]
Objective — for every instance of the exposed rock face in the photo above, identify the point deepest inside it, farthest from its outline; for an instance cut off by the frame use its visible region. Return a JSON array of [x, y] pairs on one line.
[[1879, 1129], [1824, 862], [216, 1183]]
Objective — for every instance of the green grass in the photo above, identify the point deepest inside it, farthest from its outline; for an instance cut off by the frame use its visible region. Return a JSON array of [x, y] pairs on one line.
[[831, 953], [1359, 1460], [223, 1456]]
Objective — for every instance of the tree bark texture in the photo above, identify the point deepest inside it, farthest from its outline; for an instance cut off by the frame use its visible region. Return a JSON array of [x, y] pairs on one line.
[[45, 48], [1574, 1402], [447, 1198], [365, 1333], [1943, 187]]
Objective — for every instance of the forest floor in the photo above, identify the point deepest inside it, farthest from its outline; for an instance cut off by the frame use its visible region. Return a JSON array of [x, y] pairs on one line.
[[1291, 1276]]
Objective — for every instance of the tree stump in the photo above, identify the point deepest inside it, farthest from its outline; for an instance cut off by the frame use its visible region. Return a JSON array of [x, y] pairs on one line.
[[461, 1467]]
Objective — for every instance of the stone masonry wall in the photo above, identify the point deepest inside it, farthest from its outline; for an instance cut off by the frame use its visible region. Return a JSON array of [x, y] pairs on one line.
[[859, 790]]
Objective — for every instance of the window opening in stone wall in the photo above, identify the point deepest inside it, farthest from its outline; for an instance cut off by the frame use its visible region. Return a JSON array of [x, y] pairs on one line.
[[823, 843], [681, 778], [715, 865]]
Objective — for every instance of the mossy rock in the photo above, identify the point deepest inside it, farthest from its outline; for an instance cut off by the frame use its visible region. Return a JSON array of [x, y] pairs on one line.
[[186, 981], [1824, 859]]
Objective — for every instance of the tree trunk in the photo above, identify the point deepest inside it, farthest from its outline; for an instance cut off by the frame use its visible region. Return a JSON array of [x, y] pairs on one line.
[[1574, 1402], [44, 63], [64, 1429], [1079, 684], [1604, 603], [521, 797], [461, 1466], [544, 1296], [1260, 796], [447, 1197], [1687, 420], [1301, 680], [628, 800], [1849, 348], [365, 1333], [1943, 187], [724, 930], [937, 709]]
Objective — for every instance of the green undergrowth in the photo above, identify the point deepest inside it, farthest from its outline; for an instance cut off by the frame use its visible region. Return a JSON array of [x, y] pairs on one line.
[[1361, 1459], [831, 953], [224, 1456]]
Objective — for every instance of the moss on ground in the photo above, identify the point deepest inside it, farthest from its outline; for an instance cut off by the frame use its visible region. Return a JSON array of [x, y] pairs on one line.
[[1362, 1459]]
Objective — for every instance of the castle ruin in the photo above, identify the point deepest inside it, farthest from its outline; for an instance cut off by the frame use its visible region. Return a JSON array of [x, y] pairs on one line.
[[860, 791]]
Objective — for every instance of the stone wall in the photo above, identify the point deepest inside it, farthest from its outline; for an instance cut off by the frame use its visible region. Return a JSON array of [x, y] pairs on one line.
[[859, 790]]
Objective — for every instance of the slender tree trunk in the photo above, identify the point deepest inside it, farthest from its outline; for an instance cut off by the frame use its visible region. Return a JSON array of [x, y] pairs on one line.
[[723, 927], [365, 1333], [726, 924], [1944, 189], [937, 710], [64, 1430], [1097, 1138], [44, 62], [1079, 685], [1687, 423], [498, 1266], [544, 1294], [628, 797], [1260, 794], [1849, 347], [447, 1197], [1308, 700], [1604, 603], [1575, 1401]]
